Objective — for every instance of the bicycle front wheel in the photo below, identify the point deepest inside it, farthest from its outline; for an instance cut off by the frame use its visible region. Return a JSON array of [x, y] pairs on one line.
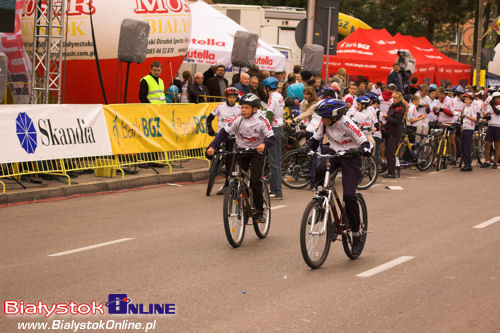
[[369, 173], [295, 169], [212, 173], [425, 157], [363, 228], [234, 215], [262, 229], [314, 234]]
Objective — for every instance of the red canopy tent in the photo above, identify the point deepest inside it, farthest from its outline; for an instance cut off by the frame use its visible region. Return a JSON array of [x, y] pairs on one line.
[[446, 68], [361, 55], [371, 54]]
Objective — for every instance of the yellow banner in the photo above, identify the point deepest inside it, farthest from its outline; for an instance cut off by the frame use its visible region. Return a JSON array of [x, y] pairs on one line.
[[145, 128]]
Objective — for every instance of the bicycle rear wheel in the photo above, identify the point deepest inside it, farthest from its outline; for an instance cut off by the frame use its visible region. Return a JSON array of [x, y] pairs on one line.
[[262, 229], [295, 169], [234, 215], [363, 228], [369, 173], [425, 157], [314, 244], [212, 174]]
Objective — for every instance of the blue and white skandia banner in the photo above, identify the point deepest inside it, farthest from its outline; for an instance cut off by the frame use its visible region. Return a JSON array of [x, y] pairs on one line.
[[52, 131]]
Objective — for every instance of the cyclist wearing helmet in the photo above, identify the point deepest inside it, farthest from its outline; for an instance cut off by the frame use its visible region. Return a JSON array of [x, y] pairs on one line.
[[493, 133], [225, 112], [444, 109], [329, 92], [343, 135], [251, 130], [365, 118], [275, 107]]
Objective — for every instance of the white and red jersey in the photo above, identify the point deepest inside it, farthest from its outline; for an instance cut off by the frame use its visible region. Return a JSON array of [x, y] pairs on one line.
[[276, 104], [413, 113], [365, 119], [384, 108], [495, 118], [314, 123], [479, 105], [354, 103], [445, 112], [425, 102], [458, 106], [342, 136], [469, 110], [432, 116], [351, 111], [226, 114], [250, 132]]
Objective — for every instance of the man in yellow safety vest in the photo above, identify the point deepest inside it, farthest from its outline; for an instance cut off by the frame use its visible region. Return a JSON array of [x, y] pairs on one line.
[[152, 89]]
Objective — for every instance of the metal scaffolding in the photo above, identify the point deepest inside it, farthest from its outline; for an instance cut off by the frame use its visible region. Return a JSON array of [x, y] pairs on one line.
[[49, 37]]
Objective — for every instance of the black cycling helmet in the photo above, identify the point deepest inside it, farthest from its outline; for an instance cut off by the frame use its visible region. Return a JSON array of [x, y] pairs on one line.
[[329, 92], [250, 99], [331, 108]]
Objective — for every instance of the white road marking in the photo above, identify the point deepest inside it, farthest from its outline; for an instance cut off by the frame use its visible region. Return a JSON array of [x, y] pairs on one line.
[[176, 185], [395, 188], [411, 177], [375, 185], [433, 173], [487, 223], [89, 247], [386, 266], [277, 207]]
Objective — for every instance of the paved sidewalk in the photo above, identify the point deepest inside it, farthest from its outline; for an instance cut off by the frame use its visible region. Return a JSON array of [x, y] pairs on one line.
[[187, 171]]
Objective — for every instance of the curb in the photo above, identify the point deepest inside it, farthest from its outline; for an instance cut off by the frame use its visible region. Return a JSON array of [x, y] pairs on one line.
[[102, 186]]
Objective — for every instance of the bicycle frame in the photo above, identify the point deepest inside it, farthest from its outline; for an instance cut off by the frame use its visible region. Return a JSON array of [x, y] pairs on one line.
[[241, 176], [445, 139], [329, 203]]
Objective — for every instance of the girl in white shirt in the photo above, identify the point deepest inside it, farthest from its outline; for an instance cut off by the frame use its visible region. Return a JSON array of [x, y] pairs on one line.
[[469, 117]]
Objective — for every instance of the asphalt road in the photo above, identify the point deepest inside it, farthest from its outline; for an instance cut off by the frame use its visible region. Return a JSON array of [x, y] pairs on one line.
[[172, 249]]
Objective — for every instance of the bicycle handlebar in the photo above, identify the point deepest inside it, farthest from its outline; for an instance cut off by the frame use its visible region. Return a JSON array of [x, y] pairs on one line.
[[343, 153]]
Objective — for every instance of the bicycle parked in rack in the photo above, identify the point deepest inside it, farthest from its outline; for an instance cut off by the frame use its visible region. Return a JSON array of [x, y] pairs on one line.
[[325, 220], [238, 202]]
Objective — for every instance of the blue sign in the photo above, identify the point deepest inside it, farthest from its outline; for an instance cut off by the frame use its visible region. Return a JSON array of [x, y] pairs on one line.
[[26, 132], [285, 53]]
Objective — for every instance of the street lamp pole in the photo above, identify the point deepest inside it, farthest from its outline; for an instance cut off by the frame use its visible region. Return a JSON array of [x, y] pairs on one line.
[[479, 45]]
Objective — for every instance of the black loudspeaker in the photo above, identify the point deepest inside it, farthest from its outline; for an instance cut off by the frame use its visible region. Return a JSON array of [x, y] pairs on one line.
[[133, 42], [312, 58], [7, 15], [244, 49], [321, 10], [3, 75]]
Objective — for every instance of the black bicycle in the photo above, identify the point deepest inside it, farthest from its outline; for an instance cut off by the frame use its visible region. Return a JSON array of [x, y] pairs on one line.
[[238, 203], [323, 224]]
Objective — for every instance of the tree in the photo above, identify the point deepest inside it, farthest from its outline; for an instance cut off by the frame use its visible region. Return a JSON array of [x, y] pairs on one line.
[[436, 20]]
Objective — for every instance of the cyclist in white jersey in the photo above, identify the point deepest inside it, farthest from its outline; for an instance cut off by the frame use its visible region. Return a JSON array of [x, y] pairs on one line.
[[275, 105], [225, 112], [443, 107], [251, 130], [343, 135], [365, 118]]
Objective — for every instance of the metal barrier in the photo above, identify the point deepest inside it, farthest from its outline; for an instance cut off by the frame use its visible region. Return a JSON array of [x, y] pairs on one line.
[[104, 166]]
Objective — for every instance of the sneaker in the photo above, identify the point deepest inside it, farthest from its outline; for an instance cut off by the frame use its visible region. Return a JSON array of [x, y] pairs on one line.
[[276, 196], [485, 165], [222, 190], [494, 166], [388, 175], [259, 217], [466, 169], [356, 245]]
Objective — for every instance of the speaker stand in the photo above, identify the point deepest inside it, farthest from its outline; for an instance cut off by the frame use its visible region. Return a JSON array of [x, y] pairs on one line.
[[126, 84]]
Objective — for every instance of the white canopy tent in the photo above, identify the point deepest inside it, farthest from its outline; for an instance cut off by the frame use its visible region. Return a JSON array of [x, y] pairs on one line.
[[212, 37]]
